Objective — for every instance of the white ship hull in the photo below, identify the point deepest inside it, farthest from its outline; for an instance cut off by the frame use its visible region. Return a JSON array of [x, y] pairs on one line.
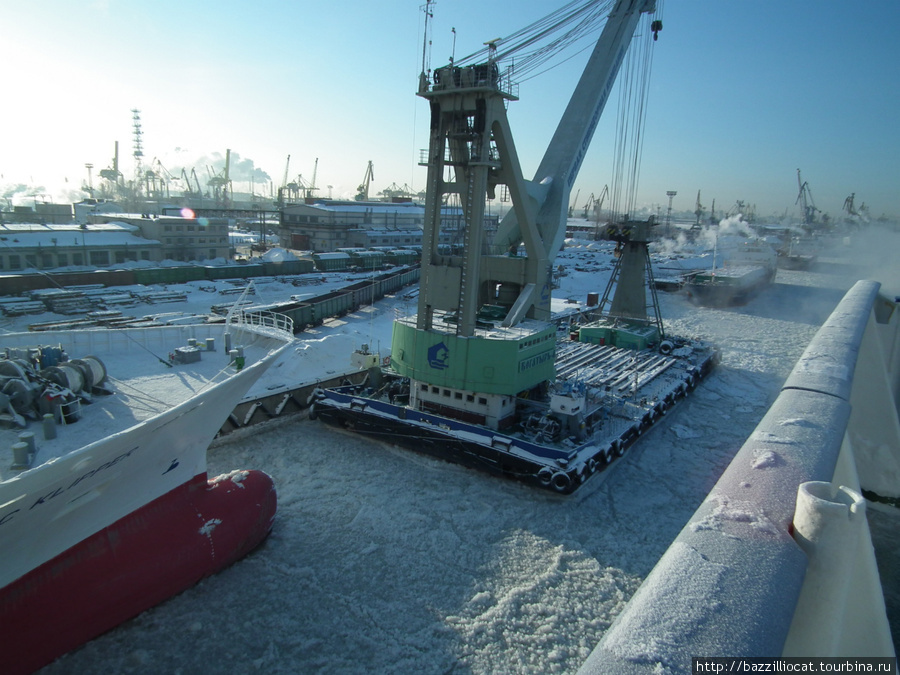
[[82, 500]]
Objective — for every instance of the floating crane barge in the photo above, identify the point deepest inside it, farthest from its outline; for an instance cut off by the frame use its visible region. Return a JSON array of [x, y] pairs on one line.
[[601, 401], [482, 374]]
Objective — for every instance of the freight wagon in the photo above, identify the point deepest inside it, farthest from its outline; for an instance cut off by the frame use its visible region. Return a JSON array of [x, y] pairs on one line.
[[313, 311]]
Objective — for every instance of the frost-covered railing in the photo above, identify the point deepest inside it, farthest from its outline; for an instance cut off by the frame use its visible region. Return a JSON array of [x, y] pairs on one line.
[[778, 560], [272, 323]]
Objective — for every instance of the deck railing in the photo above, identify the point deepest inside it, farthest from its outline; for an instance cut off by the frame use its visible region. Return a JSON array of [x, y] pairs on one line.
[[273, 323], [778, 560]]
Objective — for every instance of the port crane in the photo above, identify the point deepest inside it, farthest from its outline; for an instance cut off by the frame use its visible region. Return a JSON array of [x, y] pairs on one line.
[[221, 182], [807, 205], [698, 212], [598, 208], [362, 192], [574, 203], [494, 284]]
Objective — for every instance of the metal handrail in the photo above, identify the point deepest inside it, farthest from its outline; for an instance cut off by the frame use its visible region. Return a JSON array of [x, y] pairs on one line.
[[272, 323], [730, 583]]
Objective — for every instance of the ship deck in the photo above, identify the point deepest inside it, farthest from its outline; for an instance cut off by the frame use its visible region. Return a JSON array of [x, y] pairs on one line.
[[141, 377]]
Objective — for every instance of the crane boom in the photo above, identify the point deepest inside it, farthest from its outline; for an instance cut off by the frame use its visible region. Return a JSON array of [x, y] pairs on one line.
[[563, 158]]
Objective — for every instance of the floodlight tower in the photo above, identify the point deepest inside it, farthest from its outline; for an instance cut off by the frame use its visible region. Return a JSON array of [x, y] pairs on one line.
[[670, 194], [138, 152]]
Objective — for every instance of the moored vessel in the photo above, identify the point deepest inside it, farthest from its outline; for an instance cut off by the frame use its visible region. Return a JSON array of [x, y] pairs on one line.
[[482, 374], [747, 271], [106, 508]]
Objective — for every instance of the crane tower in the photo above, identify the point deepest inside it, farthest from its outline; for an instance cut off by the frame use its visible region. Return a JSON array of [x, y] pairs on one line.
[[482, 326]]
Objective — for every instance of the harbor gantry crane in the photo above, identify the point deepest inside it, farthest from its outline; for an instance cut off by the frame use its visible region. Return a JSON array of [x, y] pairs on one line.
[[471, 151], [574, 203], [598, 208], [362, 192], [221, 183], [698, 212], [807, 205], [112, 175]]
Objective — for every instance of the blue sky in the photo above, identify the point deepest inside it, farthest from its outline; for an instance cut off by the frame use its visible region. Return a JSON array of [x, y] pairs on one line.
[[743, 93]]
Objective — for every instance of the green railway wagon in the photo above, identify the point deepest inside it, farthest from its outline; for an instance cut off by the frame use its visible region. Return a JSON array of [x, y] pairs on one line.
[[168, 275], [367, 260], [331, 262], [275, 268], [401, 257], [215, 272], [336, 303]]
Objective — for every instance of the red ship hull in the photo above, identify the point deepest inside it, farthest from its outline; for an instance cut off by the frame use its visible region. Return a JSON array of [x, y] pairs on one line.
[[137, 562]]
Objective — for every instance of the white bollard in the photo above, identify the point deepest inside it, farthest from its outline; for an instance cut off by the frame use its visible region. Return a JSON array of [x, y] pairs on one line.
[[21, 456]]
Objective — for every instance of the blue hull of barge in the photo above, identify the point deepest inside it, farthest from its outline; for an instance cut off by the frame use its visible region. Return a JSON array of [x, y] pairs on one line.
[[562, 470]]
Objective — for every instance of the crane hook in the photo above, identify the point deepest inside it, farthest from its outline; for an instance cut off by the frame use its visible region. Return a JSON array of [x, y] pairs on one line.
[[656, 26]]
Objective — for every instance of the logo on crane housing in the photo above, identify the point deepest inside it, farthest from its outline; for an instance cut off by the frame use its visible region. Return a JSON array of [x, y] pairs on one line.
[[438, 356]]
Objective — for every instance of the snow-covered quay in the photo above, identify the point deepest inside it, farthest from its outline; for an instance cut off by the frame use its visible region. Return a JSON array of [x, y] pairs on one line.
[[385, 561]]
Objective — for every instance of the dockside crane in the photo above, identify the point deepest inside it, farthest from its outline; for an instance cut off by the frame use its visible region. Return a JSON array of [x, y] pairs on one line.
[[362, 192], [598, 208], [698, 212], [112, 175], [807, 205], [587, 206], [574, 202], [221, 183], [281, 196], [471, 152]]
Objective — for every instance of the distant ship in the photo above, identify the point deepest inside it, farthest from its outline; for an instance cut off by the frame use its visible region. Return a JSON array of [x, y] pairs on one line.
[[798, 254], [107, 509], [747, 271]]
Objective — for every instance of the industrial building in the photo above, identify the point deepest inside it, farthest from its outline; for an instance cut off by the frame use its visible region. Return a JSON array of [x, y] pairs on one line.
[[323, 225], [178, 238], [48, 246]]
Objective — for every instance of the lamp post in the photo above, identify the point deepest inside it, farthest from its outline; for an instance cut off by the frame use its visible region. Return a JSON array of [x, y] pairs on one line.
[[670, 194]]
